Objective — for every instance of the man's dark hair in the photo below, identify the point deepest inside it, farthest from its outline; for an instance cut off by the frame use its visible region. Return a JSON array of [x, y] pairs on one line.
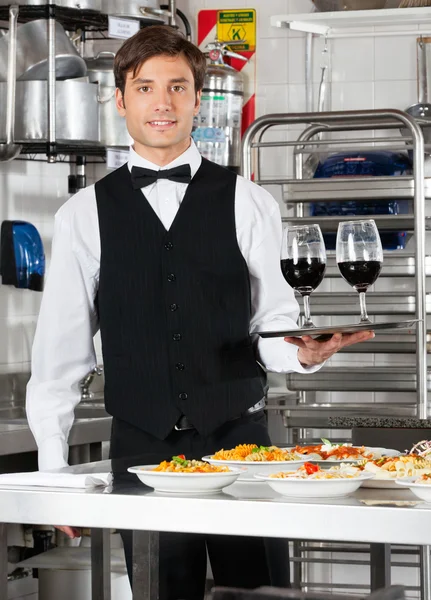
[[157, 40]]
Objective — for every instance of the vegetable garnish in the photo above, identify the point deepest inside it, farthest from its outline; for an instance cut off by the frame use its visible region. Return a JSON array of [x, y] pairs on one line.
[[310, 468], [260, 449]]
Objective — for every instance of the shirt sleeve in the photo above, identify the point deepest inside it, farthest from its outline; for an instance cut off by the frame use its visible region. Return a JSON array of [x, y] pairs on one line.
[[274, 306], [63, 349]]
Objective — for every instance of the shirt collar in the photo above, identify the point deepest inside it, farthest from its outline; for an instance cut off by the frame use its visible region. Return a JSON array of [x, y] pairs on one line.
[[191, 157]]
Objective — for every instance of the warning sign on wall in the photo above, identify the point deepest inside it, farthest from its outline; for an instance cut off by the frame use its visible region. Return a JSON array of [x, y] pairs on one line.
[[237, 26]]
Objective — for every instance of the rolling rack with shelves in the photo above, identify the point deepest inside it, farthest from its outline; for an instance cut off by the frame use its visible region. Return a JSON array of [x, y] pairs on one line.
[[299, 410], [298, 192]]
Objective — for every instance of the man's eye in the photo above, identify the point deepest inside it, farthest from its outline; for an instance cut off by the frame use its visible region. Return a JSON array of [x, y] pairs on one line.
[[144, 88], [178, 88]]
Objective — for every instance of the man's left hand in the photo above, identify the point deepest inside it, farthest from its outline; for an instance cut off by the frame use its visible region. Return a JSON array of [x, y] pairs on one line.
[[313, 352]]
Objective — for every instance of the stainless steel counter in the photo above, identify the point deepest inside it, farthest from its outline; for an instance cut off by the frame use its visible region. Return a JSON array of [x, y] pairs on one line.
[[242, 509], [16, 437]]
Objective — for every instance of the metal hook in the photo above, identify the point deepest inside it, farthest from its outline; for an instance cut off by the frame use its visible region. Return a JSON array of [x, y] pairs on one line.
[[325, 48]]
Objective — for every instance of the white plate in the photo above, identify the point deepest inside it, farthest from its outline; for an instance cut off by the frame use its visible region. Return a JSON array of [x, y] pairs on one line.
[[380, 484], [266, 467], [377, 452], [314, 488], [184, 483], [421, 490]]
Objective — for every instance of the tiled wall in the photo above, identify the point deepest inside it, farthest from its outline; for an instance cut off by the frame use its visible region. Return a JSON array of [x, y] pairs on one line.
[[367, 72]]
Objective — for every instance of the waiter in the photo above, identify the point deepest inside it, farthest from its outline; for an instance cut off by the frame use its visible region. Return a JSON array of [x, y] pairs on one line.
[[176, 260]]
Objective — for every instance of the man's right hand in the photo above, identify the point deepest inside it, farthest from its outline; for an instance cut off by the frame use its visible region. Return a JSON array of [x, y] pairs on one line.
[[72, 532]]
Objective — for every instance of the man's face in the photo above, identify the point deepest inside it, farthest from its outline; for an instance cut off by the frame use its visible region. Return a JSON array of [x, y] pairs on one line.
[[160, 102]]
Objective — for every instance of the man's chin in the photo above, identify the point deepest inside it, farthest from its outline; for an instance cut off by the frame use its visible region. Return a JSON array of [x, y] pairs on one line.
[[161, 141]]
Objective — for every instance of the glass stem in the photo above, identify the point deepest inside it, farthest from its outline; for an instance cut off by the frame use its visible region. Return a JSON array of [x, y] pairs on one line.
[[364, 315], [308, 322]]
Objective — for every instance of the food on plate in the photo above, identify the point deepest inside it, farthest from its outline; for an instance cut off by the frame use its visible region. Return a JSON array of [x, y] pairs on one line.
[[425, 478], [311, 471], [422, 448], [331, 452], [394, 467], [254, 453], [180, 464]]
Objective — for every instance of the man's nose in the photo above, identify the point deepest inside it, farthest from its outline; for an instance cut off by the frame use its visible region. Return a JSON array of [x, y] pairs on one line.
[[163, 101]]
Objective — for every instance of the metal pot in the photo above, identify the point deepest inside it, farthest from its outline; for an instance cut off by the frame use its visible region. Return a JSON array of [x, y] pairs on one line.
[[32, 53], [335, 5], [77, 4], [145, 10], [77, 112], [112, 127]]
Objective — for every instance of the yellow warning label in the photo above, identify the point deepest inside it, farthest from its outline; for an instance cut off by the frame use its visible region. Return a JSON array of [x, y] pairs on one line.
[[237, 26]]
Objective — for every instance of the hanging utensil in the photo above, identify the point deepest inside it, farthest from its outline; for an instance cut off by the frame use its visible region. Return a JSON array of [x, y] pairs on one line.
[[422, 109], [313, 159], [112, 127], [10, 150]]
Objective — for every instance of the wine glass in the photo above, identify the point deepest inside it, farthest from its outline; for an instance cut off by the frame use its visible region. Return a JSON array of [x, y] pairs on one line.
[[359, 257], [303, 261]]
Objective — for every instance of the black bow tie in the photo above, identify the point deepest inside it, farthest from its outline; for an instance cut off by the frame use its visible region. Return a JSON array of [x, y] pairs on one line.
[[142, 177]]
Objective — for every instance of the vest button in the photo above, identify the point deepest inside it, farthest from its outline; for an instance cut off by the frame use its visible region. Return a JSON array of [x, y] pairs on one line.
[[183, 396], [171, 277], [173, 307], [169, 246], [176, 337], [180, 366]]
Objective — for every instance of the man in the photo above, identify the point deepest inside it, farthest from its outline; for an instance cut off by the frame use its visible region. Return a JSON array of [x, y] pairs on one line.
[[176, 260]]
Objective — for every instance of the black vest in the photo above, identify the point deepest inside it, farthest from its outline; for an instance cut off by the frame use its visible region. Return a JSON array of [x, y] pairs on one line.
[[174, 306]]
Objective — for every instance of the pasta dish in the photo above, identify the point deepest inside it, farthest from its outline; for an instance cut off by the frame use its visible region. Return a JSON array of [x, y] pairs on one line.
[[254, 453], [393, 467], [330, 452], [179, 464], [425, 478], [310, 471]]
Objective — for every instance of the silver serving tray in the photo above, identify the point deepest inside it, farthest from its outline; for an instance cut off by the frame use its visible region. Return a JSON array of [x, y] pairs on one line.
[[327, 332]]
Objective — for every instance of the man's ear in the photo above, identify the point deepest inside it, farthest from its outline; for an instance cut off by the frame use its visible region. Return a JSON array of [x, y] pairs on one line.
[[198, 102], [119, 102]]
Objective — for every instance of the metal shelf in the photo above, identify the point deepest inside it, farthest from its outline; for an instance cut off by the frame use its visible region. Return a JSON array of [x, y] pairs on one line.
[[383, 222], [386, 346], [398, 263], [70, 18], [366, 188], [347, 303], [353, 379], [317, 415], [326, 23], [80, 149]]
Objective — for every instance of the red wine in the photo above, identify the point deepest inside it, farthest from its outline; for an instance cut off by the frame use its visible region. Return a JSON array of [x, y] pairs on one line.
[[304, 275], [360, 274]]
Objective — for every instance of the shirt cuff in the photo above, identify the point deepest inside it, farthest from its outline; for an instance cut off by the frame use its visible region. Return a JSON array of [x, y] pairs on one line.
[[53, 454], [298, 368], [279, 356]]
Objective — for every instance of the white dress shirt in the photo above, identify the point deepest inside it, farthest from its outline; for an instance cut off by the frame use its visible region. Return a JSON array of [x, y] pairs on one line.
[[63, 349]]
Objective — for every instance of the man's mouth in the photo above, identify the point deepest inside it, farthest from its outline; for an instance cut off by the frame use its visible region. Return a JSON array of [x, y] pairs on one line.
[[164, 124]]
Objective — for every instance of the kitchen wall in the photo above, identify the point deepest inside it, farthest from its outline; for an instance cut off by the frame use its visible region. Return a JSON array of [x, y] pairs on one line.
[[368, 72]]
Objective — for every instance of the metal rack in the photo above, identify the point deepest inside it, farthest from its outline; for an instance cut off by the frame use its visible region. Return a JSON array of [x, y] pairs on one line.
[[298, 192], [86, 20]]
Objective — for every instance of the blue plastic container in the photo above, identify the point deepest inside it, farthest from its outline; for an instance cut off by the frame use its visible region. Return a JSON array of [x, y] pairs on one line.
[[366, 164], [22, 257]]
